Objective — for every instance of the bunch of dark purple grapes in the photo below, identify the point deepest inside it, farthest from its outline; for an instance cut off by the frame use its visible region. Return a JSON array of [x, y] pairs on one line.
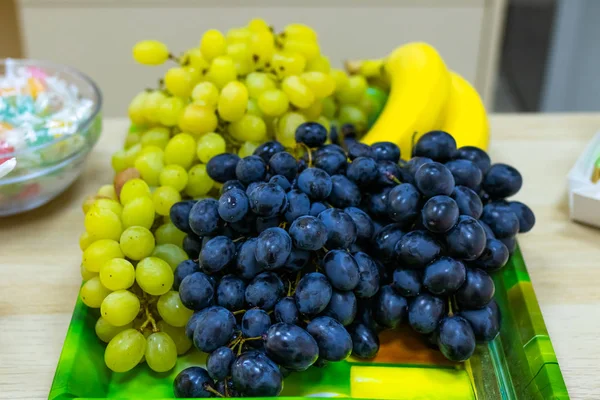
[[301, 262]]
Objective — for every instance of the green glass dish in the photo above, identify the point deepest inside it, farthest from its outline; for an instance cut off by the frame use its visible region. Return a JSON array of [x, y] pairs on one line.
[[519, 364]]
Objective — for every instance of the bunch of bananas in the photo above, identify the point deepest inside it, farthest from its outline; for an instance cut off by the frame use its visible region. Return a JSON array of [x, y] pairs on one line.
[[424, 95]]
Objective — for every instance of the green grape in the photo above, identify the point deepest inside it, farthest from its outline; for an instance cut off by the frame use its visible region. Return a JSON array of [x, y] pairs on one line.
[[247, 149], [168, 233], [240, 54], [222, 71], [164, 197], [178, 81], [238, 35], [85, 240], [161, 352], [136, 108], [171, 254], [174, 176], [319, 64], [86, 275], [233, 101], [353, 115], [253, 109], [210, 145], [299, 93], [119, 160], [137, 242], [99, 252], [106, 331], [108, 191], [108, 204], [149, 166], [154, 275], [262, 46], [180, 150], [258, 25], [92, 293], [103, 224], [249, 128], [206, 93], [193, 57], [212, 44], [257, 83], [151, 149], [170, 111], [273, 102], [313, 111], [132, 189], [118, 273], [299, 32], [150, 52], [199, 183], [198, 119], [172, 310], [139, 212], [120, 308], [368, 105], [286, 128], [152, 104], [309, 49], [287, 64], [321, 84], [125, 350], [329, 107], [196, 75], [157, 136], [182, 343], [131, 139], [353, 91], [340, 77], [325, 122]]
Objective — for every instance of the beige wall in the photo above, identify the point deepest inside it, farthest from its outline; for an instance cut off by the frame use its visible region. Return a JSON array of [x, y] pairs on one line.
[[96, 36]]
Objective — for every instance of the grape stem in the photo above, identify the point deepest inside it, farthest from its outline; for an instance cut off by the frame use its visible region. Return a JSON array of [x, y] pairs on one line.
[[226, 389], [307, 149], [173, 57], [211, 390], [149, 320], [393, 178], [238, 312]]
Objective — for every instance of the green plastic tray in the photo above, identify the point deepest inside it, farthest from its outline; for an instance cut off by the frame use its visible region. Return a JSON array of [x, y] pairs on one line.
[[519, 364]]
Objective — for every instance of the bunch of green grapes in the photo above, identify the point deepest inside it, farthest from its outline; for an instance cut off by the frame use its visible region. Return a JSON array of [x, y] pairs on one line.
[[239, 89], [130, 251]]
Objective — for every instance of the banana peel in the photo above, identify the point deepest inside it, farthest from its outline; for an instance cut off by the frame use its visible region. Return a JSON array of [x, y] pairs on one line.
[[420, 88], [424, 96], [465, 116]]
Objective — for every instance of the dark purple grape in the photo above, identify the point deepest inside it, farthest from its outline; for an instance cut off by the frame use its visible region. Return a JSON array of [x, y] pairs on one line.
[[407, 282], [384, 242], [465, 173], [502, 181], [358, 149], [501, 220], [255, 375], [363, 171], [268, 149], [417, 249], [437, 145], [466, 240], [255, 323], [444, 276], [313, 293], [344, 192], [214, 329], [341, 269], [264, 291], [230, 293], [286, 311], [232, 184], [196, 291], [311, 134], [456, 339], [368, 279], [283, 163], [245, 263], [433, 179], [217, 254], [273, 247], [341, 230], [475, 154], [425, 312], [332, 162], [524, 214], [386, 151], [365, 342], [315, 182], [184, 269], [342, 307], [180, 215], [390, 308], [192, 382], [222, 167], [204, 217], [477, 291], [291, 346], [485, 322], [494, 256], [468, 202], [334, 341], [439, 214], [404, 203], [363, 222], [218, 363]]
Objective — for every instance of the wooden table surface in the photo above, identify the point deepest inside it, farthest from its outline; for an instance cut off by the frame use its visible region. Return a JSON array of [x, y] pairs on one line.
[[40, 256]]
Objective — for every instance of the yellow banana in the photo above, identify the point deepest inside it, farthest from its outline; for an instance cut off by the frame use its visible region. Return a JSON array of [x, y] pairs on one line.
[[420, 88], [465, 117]]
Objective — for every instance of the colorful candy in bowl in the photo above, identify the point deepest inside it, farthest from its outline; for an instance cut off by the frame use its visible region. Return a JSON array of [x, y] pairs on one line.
[[49, 121]]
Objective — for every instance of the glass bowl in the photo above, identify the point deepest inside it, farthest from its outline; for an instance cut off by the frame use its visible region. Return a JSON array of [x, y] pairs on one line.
[[46, 170]]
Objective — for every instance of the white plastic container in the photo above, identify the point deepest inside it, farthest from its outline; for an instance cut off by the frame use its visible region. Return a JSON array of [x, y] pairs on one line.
[[584, 195]]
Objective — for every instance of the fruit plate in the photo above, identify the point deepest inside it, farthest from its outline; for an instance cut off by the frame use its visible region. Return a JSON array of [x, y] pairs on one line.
[[519, 364]]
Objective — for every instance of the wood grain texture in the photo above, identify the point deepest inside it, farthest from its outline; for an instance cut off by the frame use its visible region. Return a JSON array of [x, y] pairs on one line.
[[40, 256]]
